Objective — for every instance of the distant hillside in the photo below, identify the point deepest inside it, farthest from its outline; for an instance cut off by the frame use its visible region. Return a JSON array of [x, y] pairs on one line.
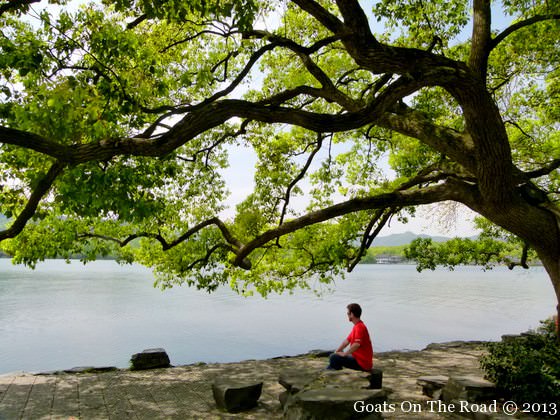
[[398, 239]]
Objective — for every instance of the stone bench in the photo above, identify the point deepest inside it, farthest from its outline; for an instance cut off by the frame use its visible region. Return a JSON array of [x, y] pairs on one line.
[[334, 404], [432, 386], [330, 394], [457, 388], [468, 388]]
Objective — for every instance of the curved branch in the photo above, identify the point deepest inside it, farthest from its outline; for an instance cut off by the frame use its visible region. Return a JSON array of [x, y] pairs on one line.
[[380, 218], [356, 20], [15, 5], [168, 245], [545, 170], [162, 241], [204, 117], [523, 261], [289, 43], [519, 25], [42, 187], [204, 260], [280, 98], [436, 193], [329, 90], [330, 21], [300, 176], [445, 140], [172, 110], [35, 142], [127, 240], [190, 38], [213, 221], [136, 22]]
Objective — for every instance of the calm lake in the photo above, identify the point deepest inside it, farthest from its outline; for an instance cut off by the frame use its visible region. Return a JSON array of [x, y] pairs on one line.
[[65, 315]]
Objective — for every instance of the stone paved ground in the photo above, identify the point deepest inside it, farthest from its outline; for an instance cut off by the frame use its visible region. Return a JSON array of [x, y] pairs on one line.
[[185, 392]]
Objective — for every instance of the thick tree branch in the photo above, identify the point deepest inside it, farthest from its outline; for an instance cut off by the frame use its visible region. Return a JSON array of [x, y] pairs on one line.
[[331, 22], [233, 243], [207, 116], [519, 25], [523, 261], [42, 187], [457, 146], [481, 34], [35, 142], [545, 170], [166, 245], [12, 5], [136, 22], [356, 20], [213, 221], [433, 194]]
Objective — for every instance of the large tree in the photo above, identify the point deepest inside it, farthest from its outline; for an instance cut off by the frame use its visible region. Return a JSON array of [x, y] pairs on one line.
[[117, 119]]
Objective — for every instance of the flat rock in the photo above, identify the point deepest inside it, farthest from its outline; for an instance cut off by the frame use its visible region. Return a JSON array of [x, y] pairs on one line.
[[345, 378], [468, 388], [90, 369], [150, 359], [296, 380], [432, 385], [236, 396], [333, 404]]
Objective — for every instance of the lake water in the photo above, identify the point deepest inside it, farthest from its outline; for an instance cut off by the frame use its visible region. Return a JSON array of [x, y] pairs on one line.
[[60, 316]]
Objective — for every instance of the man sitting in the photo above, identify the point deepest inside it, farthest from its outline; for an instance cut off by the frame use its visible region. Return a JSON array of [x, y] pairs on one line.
[[359, 355]]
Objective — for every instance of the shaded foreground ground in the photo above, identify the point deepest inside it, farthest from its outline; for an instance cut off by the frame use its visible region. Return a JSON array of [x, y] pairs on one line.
[[184, 392]]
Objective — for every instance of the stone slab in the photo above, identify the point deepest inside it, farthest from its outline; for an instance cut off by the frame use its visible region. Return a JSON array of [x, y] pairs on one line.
[[332, 403], [296, 380], [468, 388], [150, 359], [432, 385], [236, 396]]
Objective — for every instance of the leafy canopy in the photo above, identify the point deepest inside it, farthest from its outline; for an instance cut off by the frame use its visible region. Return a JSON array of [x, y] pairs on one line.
[[118, 119]]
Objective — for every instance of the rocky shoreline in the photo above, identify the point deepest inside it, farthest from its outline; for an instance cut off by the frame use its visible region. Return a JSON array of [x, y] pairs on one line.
[[187, 390]]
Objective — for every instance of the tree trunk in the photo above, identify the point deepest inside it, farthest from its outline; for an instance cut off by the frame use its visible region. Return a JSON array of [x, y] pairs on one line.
[[552, 267], [540, 229]]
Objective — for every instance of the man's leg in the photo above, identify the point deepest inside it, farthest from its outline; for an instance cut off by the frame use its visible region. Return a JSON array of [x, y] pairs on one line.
[[337, 362], [351, 363]]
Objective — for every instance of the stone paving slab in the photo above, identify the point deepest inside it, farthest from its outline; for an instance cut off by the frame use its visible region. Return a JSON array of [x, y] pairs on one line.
[[185, 392]]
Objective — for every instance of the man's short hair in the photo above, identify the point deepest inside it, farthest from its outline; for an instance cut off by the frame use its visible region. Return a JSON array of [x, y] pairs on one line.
[[355, 309]]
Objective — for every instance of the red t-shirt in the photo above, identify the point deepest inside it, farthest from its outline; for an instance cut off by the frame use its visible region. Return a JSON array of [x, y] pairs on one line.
[[364, 353]]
